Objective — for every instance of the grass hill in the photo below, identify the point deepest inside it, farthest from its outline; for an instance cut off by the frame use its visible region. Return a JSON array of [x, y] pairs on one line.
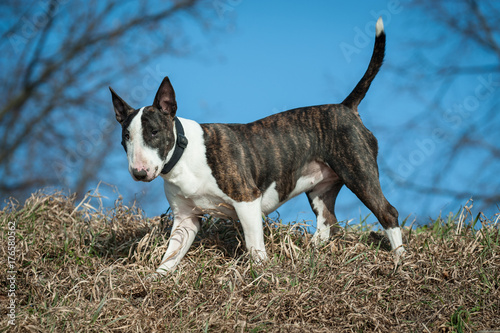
[[80, 268]]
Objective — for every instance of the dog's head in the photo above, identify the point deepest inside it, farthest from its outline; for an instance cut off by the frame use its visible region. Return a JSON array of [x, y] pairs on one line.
[[147, 133]]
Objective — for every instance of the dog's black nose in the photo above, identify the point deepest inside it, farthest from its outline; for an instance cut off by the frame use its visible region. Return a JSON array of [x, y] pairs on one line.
[[140, 175]]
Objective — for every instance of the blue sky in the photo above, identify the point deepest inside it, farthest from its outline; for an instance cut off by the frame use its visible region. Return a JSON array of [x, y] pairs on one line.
[[273, 56]]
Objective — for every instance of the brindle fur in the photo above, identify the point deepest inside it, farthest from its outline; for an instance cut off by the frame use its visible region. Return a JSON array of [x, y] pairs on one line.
[[246, 158]]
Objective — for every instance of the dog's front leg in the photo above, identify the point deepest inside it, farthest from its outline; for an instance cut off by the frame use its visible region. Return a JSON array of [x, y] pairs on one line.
[[250, 216], [184, 231]]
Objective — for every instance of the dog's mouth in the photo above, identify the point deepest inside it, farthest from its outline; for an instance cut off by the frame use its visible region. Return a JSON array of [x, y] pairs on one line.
[[143, 175], [145, 180]]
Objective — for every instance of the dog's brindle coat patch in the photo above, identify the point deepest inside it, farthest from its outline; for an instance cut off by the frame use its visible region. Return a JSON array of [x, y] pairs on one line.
[[154, 122], [252, 168], [257, 154], [248, 158]]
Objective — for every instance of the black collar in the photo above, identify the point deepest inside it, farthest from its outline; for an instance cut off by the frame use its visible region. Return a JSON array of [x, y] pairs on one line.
[[180, 145]]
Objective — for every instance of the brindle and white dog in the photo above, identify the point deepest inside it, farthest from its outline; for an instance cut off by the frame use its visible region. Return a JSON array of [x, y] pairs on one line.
[[244, 170]]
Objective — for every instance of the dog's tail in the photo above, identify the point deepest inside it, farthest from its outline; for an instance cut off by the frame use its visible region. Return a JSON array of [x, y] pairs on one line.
[[356, 96]]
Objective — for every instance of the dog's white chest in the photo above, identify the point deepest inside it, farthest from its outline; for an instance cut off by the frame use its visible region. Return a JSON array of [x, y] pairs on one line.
[[191, 187], [199, 200]]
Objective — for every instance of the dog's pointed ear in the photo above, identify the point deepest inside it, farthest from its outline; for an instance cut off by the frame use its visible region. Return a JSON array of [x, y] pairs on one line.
[[122, 109], [165, 98]]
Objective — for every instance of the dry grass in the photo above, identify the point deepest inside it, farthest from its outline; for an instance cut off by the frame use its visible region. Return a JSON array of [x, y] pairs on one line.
[[83, 270]]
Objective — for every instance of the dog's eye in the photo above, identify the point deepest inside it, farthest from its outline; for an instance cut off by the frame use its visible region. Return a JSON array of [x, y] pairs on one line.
[[154, 132], [127, 136]]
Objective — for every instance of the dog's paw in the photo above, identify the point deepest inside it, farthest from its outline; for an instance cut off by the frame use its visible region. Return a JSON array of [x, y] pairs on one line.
[[399, 255], [318, 241], [400, 252], [259, 257], [321, 237], [154, 277]]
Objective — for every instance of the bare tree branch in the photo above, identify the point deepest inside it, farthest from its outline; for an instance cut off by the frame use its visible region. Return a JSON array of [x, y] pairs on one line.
[[469, 124], [57, 66]]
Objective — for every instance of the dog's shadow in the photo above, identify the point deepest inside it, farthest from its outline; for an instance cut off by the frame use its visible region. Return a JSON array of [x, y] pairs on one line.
[[142, 238], [146, 239], [378, 240]]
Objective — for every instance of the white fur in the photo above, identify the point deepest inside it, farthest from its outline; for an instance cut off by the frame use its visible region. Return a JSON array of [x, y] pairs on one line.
[[379, 27], [139, 155], [270, 199], [250, 216], [396, 240], [190, 184], [184, 231], [322, 230]]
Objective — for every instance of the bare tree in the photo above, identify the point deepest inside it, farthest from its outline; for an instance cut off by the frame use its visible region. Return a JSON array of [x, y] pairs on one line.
[[459, 56], [58, 57]]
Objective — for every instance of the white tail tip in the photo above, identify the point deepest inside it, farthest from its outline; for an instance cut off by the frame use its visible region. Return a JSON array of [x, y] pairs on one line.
[[380, 26]]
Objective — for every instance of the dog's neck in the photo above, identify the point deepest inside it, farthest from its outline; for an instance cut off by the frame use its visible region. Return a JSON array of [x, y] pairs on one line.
[[181, 143]]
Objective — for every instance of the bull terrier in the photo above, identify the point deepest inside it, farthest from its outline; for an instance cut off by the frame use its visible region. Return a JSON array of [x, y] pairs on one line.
[[241, 171]]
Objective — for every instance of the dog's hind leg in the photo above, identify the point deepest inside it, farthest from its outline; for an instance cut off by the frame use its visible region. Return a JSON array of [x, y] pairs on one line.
[[322, 200], [359, 171], [184, 231], [386, 214], [366, 185]]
